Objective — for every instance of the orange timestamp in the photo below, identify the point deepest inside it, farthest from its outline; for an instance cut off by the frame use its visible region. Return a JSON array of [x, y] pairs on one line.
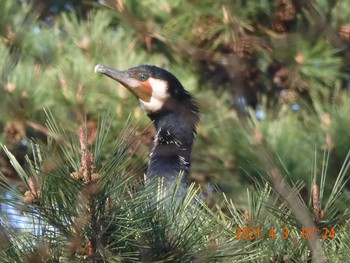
[[250, 233]]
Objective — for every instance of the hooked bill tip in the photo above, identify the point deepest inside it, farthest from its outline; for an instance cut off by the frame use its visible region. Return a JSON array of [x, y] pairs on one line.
[[99, 68]]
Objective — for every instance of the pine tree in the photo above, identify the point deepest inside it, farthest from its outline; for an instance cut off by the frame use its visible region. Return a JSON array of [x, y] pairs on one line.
[[271, 79]]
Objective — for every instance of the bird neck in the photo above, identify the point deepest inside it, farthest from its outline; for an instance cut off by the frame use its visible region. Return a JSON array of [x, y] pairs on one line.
[[172, 145]]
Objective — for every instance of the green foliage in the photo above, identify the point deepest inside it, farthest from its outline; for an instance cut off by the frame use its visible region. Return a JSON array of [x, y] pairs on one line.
[[83, 206], [275, 55], [208, 31], [109, 217]]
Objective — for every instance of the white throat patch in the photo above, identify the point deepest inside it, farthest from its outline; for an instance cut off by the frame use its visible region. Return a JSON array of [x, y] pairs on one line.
[[159, 95]]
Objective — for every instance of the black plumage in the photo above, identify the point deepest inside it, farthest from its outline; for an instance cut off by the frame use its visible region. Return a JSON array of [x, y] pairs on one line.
[[174, 113]]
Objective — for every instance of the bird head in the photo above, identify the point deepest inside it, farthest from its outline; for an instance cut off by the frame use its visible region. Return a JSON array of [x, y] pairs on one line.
[[158, 90]]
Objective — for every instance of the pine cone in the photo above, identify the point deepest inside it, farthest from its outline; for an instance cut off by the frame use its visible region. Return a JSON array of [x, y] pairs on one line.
[[14, 132], [279, 26], [281, 76], [244, 47], [344, 31], [285, 10], [285, 13]]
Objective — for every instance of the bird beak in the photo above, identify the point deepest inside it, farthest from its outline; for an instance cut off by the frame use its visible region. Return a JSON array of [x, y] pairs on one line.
[[141, 90]]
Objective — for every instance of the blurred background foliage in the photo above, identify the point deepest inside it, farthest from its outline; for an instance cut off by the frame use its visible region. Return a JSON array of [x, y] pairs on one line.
[[283, 64], [279, 67]]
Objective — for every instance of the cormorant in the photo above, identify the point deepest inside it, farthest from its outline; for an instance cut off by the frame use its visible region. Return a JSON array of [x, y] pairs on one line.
[[174, 113]]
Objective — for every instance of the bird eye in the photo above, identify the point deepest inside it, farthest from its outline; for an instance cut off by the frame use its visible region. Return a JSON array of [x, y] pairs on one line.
[[143, 77]]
